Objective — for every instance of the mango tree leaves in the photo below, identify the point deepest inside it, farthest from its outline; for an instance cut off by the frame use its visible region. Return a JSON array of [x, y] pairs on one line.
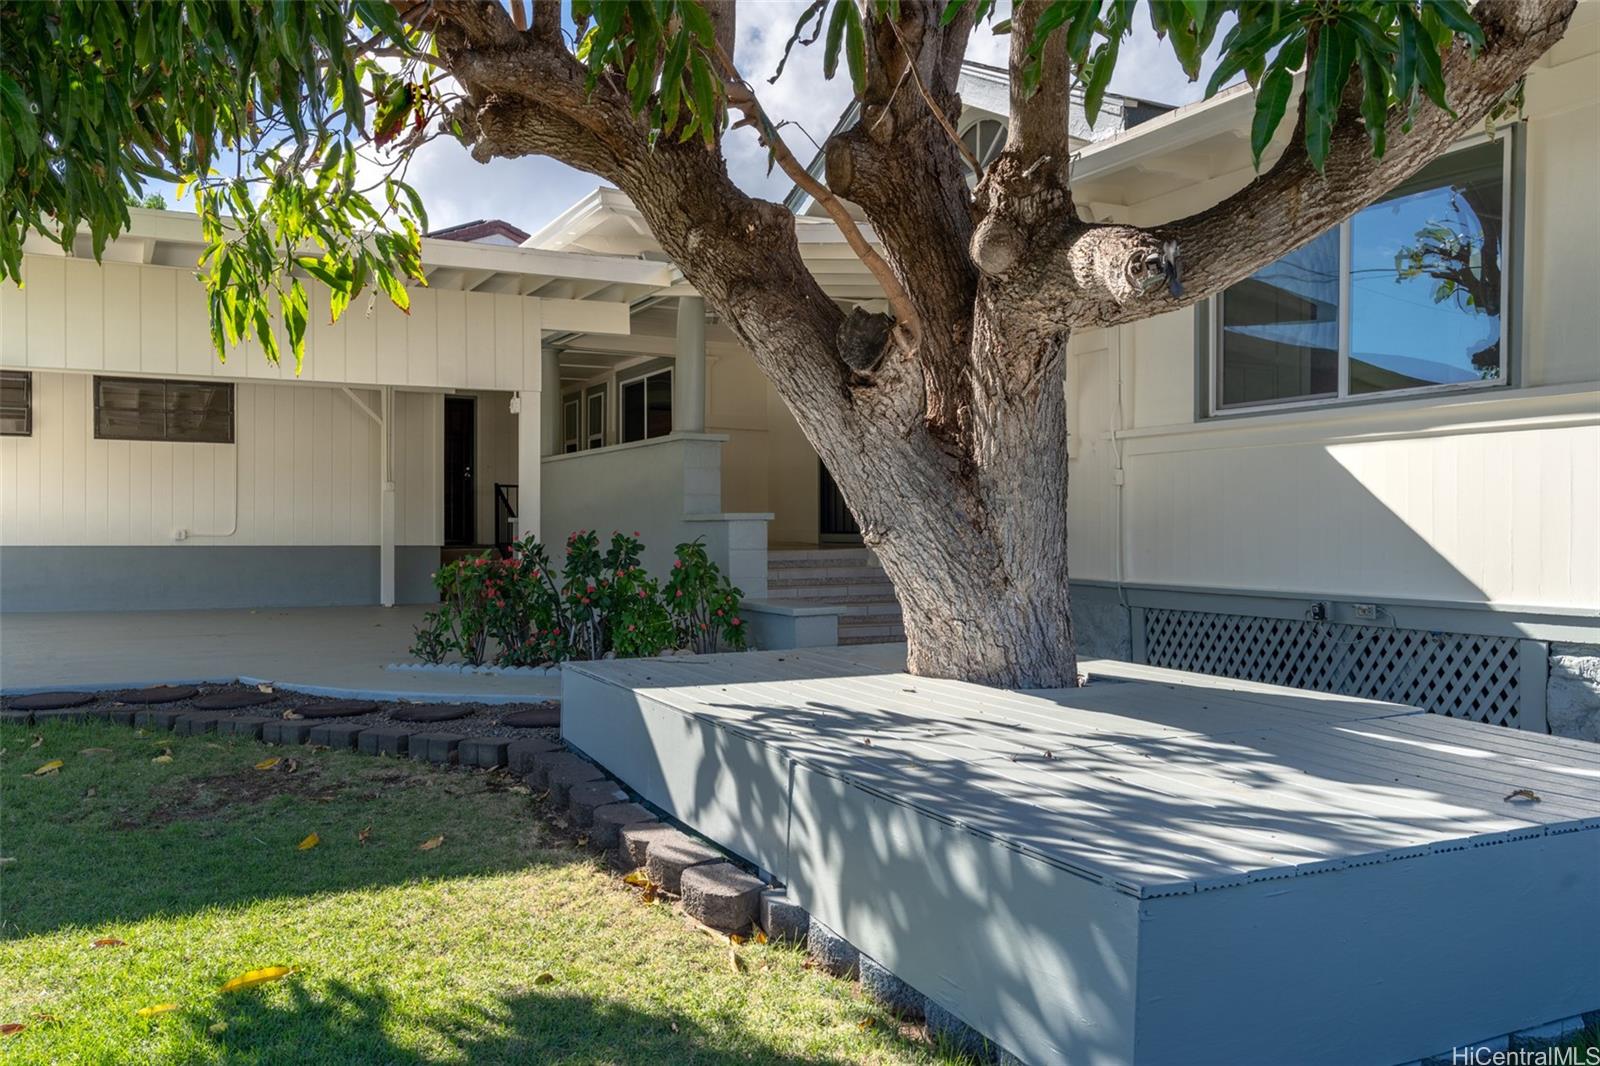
[[1394, 50]]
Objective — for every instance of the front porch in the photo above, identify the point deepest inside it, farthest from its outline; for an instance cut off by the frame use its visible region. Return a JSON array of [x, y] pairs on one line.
[[1158, 867]]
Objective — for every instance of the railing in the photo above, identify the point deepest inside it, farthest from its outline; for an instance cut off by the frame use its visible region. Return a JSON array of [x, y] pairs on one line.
[[505, 516]]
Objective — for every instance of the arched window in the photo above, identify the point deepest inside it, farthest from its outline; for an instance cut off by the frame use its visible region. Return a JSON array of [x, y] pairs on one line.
[[984, 139]]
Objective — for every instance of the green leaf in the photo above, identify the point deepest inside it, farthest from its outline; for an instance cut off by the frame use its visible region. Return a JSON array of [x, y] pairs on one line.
[[855, 46], [835, 40], [1325, 82], [698, 23], [1458, 17], [1272, 100], [1374, 100]]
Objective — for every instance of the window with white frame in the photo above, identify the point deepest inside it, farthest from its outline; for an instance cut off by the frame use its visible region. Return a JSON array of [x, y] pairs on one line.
[[647, 406], [594, 417], [1406, 296], [571, 431]]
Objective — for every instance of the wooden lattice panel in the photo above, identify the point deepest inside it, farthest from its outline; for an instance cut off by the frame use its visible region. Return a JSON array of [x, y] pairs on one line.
[[1455, 674]]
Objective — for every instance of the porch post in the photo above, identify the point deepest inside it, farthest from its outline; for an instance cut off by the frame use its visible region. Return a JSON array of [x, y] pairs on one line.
[[689, 372], [530, 451], [386, 485], [550, 399]]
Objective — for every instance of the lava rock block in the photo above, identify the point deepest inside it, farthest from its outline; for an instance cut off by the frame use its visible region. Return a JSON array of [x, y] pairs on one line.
[[384, 740], [893, 994], [429, 712], [520, 753], [833, 953], [50, 701], [543, 716], [156, 719], [721, 895], [121, 715], [561, 780], [244, 725], [285, 731], [160, 694], [782, 918], [584, 800], [340, 736], [670, 854], [487, 752], [192, 725], [606, 829], [435, 747], [949, 1032], [633, 842], [66, 714], [234, 700], [335, 709]]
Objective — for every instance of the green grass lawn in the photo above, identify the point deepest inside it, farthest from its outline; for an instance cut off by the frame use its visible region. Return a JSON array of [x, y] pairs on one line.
[[503, 944]]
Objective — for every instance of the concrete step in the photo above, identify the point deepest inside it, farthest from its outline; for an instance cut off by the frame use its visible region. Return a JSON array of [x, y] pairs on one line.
[[870, 632], [851, 574], [830, 595], [826, 556], [860, 611]]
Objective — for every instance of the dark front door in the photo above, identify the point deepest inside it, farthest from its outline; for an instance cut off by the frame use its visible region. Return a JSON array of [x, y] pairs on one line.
[[460, 435], [837, 523]]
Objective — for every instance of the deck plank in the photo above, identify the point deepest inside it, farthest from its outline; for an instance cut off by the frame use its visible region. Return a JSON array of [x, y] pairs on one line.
[[1146, 778]]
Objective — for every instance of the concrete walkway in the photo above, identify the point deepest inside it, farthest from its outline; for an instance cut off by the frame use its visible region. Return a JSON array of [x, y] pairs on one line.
[[321, 650]]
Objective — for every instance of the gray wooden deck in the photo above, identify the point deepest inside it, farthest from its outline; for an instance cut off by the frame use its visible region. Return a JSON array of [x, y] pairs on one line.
[[1148, 784]]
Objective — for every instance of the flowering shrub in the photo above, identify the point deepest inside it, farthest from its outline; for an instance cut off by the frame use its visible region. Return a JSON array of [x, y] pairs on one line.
[[603, 603]]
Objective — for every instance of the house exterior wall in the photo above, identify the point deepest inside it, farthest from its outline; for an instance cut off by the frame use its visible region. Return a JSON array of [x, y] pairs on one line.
[[1479, 497], [81, 519]]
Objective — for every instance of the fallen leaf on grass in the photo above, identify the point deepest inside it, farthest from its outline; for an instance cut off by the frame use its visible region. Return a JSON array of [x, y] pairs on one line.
[[650, 894], [761, 938], [735, 939], [308, 843], [95, 751], [583, 842], [866, 1023], [91, 793], [362, 837], [735, 962], [159, 1008], [217, 1027], [637, 878], [545, 978], [12, 1028], [49, 768], [267, 764], [431, 843], [290, 766], [1526, 795], [38, 738], [108, 942], [251, 978], [674, 1027], [165, 756]]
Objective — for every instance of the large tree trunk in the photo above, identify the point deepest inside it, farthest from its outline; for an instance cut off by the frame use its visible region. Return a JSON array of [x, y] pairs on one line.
[[975, 540]]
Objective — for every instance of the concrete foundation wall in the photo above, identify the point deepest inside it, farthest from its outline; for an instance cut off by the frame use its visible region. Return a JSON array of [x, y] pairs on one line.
[[139, 578]]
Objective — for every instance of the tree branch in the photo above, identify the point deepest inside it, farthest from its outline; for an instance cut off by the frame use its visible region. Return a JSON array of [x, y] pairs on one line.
[[1290, 203], [742, 97]]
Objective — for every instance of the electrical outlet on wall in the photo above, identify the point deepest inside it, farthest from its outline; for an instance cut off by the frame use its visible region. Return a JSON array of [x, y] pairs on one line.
[[180, 534], [1367, 612]]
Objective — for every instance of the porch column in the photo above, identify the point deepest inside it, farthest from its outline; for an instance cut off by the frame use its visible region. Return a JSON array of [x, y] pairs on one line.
[[530, 451], [550, 399], [689, 372], [386, 485]]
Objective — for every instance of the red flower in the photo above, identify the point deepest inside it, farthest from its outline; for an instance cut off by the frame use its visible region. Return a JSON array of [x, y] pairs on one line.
[[641, 594], [736, 622]]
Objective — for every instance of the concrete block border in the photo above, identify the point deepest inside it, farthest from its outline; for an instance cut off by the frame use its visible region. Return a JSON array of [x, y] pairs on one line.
[[485, 670]]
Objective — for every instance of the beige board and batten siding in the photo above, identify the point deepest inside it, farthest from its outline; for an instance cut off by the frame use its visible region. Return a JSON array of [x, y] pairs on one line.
[[1487, 496], [75, 314], [303, 470]]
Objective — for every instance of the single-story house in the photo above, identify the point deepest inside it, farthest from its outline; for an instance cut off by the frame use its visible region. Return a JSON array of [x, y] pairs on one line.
[[1372, 468]]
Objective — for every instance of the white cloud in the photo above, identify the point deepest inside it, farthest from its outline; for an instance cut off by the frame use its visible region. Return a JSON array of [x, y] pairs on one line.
[[530, 192]]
